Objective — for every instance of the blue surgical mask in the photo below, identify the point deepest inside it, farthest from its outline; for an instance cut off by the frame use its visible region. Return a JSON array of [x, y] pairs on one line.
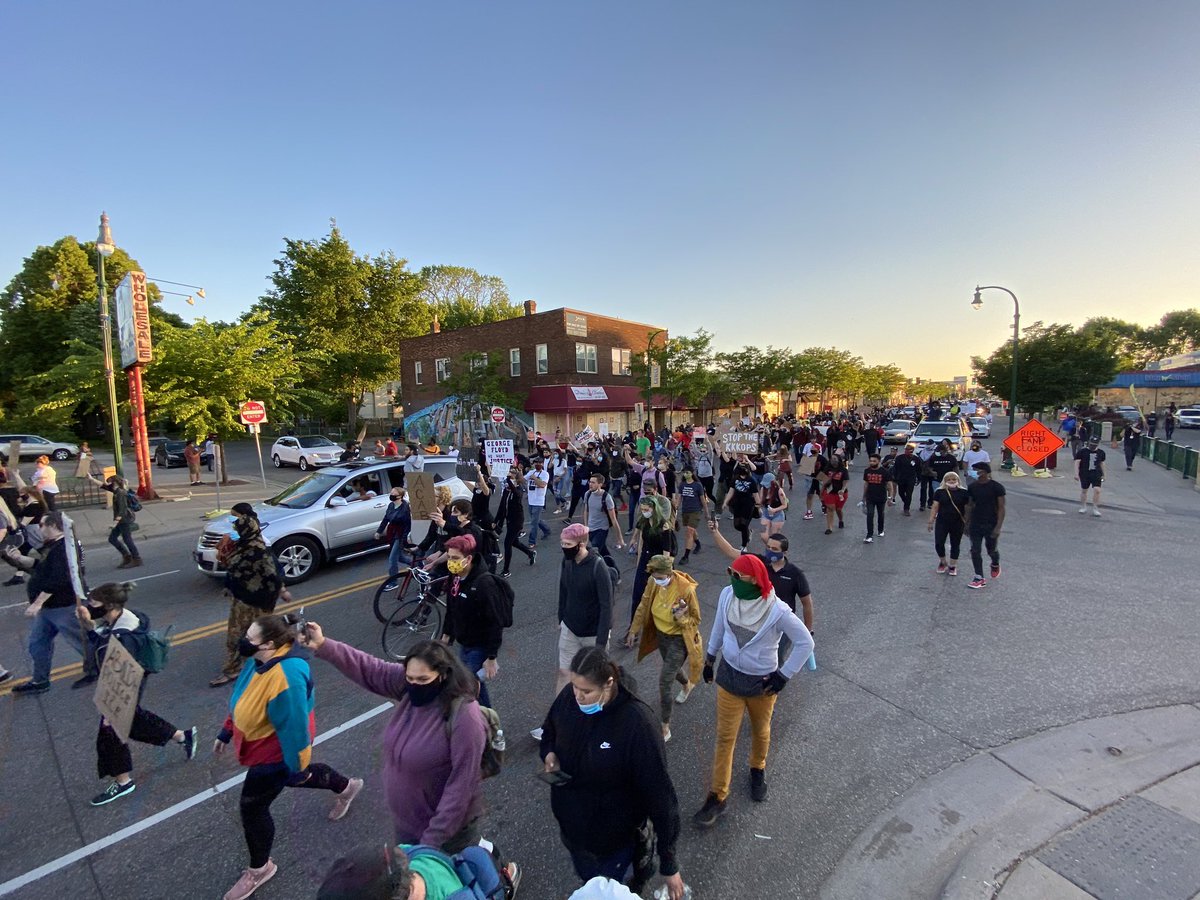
[[589, 709], [772, 556]]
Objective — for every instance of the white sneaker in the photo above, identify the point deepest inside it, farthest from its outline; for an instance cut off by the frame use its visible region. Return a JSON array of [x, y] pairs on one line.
[[666, 734], [684, 693], [881, 534], [1083, 510], [536, 734], [1095, 512]]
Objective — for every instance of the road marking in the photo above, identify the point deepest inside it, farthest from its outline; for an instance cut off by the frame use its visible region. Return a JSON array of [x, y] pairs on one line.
[[12, 605], [94, 847], [158, 575]]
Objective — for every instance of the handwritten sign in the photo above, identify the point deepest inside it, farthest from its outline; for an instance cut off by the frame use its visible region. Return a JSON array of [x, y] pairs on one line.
[[1033, 442], [499, 455], [421, 496], [117, 691], [741, 442]]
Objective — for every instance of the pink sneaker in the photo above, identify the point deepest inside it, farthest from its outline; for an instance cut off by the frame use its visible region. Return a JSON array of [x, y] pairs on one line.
[[941, 569], [341, 805], [251, 881]]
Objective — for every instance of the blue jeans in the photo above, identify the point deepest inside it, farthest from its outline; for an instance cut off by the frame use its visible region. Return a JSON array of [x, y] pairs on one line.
[[397, 556], [618, 488], [536, 524], [473, 658], [121, 532], [47, 624], [599, 539]]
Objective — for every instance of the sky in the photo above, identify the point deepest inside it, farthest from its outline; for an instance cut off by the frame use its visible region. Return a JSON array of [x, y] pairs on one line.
[[795, 173]]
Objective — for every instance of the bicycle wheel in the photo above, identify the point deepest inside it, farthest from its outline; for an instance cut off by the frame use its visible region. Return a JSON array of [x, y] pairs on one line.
[[387, 602], [416, 620]]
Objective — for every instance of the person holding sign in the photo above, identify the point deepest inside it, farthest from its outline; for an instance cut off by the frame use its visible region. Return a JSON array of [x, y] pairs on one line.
[[105, 619]]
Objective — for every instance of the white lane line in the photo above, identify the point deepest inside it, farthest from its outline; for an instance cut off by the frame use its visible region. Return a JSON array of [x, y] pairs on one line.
[[157, 575], [13, 605], [75, 856]]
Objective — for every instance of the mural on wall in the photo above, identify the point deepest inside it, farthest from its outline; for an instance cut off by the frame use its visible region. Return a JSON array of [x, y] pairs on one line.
[[450, 423]]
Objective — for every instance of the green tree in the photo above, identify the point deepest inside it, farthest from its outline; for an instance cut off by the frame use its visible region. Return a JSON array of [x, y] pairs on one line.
[[352, 309], [1177, 332], [753, 370], [1057, 366], [880, 382], [459, 296], [684, 365], [1130, 343], [477, 380]]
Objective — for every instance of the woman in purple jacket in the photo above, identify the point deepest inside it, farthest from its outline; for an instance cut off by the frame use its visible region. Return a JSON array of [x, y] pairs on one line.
[[431, 784]]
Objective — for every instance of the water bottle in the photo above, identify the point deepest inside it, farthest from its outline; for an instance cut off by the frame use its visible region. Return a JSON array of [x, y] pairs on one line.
[[498, 743], [663, 894], [812, 661]]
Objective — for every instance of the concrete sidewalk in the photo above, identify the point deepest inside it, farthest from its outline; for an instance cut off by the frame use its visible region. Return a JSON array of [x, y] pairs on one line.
[[1106, 808]]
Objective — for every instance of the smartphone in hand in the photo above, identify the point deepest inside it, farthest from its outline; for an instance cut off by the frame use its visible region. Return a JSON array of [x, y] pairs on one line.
[[555, 778]]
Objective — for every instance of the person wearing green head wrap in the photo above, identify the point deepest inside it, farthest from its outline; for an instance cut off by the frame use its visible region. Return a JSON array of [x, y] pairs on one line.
[[654, 530]]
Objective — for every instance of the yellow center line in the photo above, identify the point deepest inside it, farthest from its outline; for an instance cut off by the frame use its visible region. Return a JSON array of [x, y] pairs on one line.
[[212, 629]]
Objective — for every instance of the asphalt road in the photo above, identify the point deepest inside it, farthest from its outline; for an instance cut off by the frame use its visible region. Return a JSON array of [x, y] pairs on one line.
[[1091, 616]]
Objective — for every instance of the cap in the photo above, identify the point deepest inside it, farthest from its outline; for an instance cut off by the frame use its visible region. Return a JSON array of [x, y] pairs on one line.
[[662, 564]]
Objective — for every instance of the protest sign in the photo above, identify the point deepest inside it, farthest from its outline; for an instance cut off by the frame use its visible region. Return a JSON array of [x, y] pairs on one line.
[[741, 442], [421, 498], [117, 691], [499, 455]]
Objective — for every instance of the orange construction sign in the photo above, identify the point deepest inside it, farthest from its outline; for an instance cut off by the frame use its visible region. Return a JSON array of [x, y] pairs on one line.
[[1033, 442]]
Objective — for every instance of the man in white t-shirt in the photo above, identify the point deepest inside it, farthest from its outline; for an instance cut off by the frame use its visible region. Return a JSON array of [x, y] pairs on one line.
[[537, 480]]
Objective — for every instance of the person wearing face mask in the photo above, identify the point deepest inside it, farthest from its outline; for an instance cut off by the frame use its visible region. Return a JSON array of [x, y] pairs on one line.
[[655, 535], [975, 455], [473, 617], [874, 497], [774, 503], [537, 481], [396, 526], [618, 470], [457, 519], [749, 623], [600, 516], [510, 516], [947, 518], [740, 500], [905, 472], [105, 619], [668, 619], [271, 723], [606, 741], [693, 503]]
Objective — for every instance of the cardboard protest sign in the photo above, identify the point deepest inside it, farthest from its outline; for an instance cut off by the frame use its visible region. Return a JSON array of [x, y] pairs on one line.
[[117, 691], [741, 442], [421, 498], [499, 455]]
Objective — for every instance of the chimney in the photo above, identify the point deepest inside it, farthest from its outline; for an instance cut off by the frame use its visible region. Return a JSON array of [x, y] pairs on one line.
[[436, 327], [530, 307]]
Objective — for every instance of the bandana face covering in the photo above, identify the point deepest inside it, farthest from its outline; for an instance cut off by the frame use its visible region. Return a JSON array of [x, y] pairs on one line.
[[744, 590]]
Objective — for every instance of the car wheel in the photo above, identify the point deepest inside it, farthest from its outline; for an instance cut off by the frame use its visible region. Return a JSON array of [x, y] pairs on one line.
[[299, 557], [276, 461], [60, 454], [303, 464]]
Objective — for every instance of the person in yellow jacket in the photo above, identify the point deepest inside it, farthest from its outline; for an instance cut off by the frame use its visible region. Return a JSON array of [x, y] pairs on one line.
[[668, 618]]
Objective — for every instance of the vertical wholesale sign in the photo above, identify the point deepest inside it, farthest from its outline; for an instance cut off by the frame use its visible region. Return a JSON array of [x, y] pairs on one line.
[[132, 304]]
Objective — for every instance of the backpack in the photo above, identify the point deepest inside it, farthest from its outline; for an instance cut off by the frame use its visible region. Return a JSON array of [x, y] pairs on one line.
[[154, 650], [492, 760], [473, 866], [504, 599], [135, 505]]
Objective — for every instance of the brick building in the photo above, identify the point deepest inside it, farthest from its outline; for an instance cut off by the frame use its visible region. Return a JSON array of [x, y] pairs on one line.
[[573, 367]]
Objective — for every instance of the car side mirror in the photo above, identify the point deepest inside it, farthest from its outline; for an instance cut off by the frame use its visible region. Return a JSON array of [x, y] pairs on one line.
[[337, 501]]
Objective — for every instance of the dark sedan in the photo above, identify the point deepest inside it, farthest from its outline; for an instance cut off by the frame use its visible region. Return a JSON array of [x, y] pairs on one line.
[[169, 454]]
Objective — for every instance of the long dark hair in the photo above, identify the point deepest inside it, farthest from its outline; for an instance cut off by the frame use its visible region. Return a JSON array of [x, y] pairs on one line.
[[594, 664], [456, 680], [278, 629]]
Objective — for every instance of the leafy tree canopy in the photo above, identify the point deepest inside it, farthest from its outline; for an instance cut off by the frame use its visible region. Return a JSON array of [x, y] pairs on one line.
[[1056, 366], [459, 296], [477, 379]]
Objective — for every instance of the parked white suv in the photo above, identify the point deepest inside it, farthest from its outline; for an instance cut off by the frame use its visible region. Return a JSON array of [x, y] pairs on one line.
[[307, 452], [33, 446], [957, 431], [1188, 418], [329, 515]]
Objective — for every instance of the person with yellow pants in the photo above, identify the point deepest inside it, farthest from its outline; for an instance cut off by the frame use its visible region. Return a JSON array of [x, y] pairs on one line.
[[747, 628]]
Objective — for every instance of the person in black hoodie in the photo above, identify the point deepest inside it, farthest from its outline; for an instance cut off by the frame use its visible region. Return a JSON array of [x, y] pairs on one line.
[[510, 516], [608, 744], [472, 611], [106, 619], [905, 472]]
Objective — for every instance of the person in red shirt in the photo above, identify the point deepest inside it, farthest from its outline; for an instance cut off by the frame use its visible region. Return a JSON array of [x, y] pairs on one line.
[[390, 448]]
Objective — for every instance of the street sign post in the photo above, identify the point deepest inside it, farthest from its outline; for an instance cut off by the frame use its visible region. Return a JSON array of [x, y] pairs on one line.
[[1033, 442], [254, 413]]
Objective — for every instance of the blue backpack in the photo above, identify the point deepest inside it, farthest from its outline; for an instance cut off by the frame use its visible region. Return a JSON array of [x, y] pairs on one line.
[[475, 869]]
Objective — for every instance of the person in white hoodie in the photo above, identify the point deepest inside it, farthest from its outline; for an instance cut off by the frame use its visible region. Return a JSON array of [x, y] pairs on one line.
[[975, 455], [747, 628]]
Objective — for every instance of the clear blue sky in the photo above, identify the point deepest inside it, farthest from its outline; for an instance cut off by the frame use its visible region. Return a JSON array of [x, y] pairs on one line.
[[792, 173]]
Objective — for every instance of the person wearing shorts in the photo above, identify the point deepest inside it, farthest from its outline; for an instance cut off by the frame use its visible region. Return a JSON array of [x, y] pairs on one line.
[[773, 503], [834, 491], [1089, 471], [693, 503]]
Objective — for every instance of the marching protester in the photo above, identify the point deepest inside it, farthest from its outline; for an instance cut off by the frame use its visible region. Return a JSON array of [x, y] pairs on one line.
[[655, 535], [55, 588], [875, 495], [104, 619], [947, 518], [510, 515], [272, 723], [741, 499], [774, 503], [396, 526], [668, 620], [985, 517], [942, 462], [746, 632], [603, 799], [600, 516], [1089, 472], [1132, 440], [928, 478], [693, 503], [975, 455], [474, 614], [537, 480], [835, 489], [124, 516], [905, 472]]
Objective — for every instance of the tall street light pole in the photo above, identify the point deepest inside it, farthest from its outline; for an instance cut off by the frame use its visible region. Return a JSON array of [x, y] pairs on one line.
[[104, 249], [977, 303], [649, 373]]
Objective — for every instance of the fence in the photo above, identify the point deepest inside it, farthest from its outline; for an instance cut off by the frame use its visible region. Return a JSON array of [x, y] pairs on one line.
[[1170, 455]]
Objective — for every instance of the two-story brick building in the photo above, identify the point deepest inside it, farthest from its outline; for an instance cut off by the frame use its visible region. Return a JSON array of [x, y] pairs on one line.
[[573, 367]]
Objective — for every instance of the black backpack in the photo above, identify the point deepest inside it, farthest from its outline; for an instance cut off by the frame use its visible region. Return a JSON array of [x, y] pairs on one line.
[[503, 600]]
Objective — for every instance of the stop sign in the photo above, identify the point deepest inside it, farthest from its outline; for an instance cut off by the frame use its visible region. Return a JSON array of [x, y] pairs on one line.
[[253, 412], [498, 415]]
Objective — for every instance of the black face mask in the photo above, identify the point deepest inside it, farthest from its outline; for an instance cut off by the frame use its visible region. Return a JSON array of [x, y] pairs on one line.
[[570, 552], [424, 694], [246, 647]]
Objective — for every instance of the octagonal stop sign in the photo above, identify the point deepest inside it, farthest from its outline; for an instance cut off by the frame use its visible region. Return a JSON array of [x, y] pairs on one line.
[[253, 412], [498, 415], [1033, 442]]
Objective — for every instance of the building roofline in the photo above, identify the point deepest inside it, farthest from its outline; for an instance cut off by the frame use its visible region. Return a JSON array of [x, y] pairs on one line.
[[546, 312]]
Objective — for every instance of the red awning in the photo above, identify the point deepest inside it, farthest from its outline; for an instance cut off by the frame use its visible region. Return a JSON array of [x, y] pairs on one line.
[[567, 398]]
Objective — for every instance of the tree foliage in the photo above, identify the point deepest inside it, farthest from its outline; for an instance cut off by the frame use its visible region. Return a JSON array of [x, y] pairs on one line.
[[459, 296], [477, 379], [1056, 366]]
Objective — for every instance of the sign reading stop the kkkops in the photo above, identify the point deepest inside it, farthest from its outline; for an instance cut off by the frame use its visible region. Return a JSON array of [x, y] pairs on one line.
[[253, 412], [1033, 442], [498, 415]]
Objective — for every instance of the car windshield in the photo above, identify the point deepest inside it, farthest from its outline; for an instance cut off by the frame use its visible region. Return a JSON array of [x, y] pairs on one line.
[[1190, 413], [941, 429], [173, 446], [316, 440], [978, 420], [305, 492], [900, 423]]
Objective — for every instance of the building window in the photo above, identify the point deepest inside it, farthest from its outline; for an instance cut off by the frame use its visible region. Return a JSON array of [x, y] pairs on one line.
[[417, 373], [478, 361], [442, 367], [585, 358], [514, 362], [543, 359], [620, 361]]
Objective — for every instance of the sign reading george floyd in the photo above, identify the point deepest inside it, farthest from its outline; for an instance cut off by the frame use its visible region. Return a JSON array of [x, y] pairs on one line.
[[117, 690], [741, 442], [499, 455], [1033, 442]]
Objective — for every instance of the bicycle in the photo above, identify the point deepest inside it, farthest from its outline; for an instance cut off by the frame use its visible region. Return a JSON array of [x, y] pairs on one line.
[[419, 618], [387, 601]]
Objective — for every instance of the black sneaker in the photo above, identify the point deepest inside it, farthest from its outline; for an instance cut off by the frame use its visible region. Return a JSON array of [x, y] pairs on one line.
[[697, 548], [5, 676], [505, 574], [14, 581], [532, 556], [84, 681], [706, 816], [112, 792], [32, 687], [189, 743], [758, 785]]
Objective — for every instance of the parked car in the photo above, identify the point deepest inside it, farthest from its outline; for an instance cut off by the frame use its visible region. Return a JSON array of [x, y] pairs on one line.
[[1188, 418], [898, 431], [33, 446], [307, 452], [957, 431], [980, 427], [328, 515], [169, 454]]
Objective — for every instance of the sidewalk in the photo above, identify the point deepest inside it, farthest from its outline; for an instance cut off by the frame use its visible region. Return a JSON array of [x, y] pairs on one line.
[[1107, 808]]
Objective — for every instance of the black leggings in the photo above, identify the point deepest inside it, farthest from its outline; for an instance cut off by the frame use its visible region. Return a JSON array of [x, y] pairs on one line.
[[743, 528], [511, 540], [112, 753], [943, 528], [263, 784]]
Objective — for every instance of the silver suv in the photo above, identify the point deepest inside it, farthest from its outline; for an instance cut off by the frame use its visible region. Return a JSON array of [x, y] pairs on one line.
[[329, 515], [955, 430]]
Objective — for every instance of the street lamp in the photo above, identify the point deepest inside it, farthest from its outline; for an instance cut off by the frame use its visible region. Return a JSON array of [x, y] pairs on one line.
[[104, 249], [199, 290], [188, 298], [649, 370], [977, 304]]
